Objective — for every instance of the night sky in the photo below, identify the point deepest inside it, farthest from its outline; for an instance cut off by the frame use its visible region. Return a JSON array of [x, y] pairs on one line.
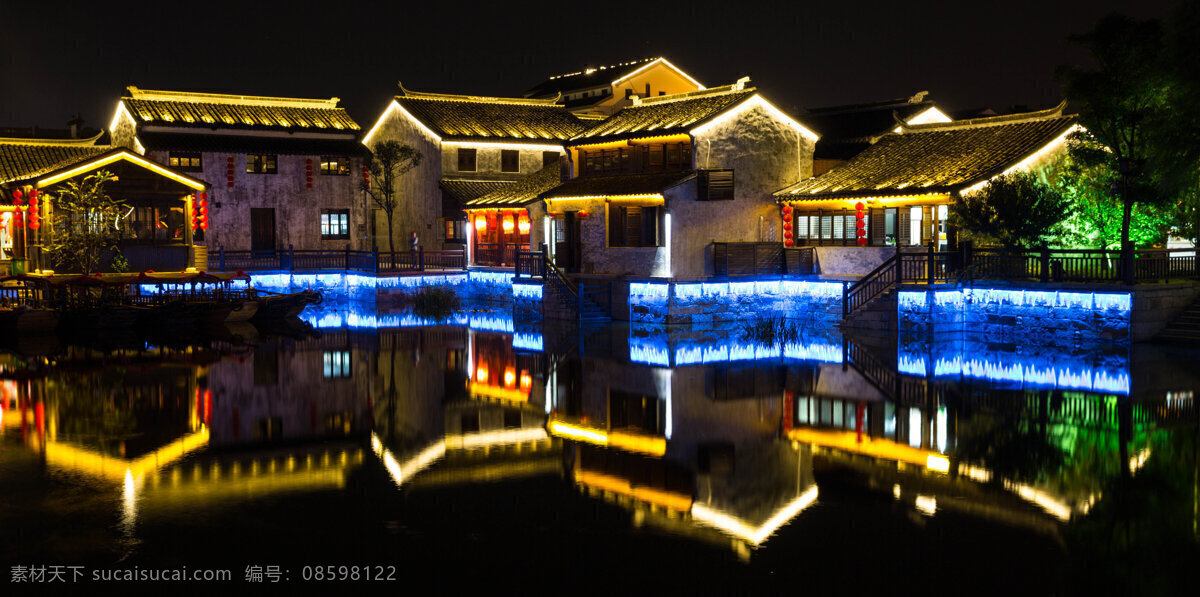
[[59, 59]]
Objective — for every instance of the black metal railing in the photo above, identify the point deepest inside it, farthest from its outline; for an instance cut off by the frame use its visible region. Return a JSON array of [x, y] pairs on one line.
[[291, 259]]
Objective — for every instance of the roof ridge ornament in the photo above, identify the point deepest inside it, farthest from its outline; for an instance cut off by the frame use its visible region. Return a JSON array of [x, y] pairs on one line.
[[450, 97], [1048, 113], [918, 97], [53, 142], [224, 98]]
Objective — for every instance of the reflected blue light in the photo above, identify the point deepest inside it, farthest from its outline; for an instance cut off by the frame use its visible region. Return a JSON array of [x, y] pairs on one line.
[[911, 300], [527, 341], [813, 351], [527, 291], [912, 366], [1117, 384], [643, 350]]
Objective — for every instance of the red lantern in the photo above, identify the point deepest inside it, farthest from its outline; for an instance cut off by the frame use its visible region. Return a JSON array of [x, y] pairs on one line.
[[787, 234], [33, 193], [17, 194], [860, 224], [787, 225], [203, 198], [862, 242], [787, 209], [860, 233], [859, 206], [789, 243], [582, 214], [860, 215]]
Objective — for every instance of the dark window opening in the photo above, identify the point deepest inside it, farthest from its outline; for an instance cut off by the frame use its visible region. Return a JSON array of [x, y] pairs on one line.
[[549, 158], [456, 230], [510, 160], [466, 159]]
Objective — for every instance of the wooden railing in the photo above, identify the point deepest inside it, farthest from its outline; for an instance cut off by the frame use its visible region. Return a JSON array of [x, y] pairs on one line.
[[799, 261], [871, 286], [339, 259], [531, 264], [588, 300], [1069, 265], [498, 254]]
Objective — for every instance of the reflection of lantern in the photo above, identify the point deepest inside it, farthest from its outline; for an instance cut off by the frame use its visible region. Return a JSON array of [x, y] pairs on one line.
[[510, 377], [523, 226], [480, 223], [508, 225], [481, 374], [526, 380]]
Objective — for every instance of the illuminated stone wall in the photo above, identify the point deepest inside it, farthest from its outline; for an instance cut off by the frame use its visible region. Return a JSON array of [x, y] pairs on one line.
[[473, 288], [711, 302], [1018, 314]]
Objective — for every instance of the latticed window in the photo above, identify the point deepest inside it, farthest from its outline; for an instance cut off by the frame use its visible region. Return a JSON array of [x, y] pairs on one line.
[[335, 224], [187, 161], [257, 163], [335, 165]]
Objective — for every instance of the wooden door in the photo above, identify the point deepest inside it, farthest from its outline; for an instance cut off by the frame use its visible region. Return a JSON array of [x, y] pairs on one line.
[[568, 250], [262, 228]]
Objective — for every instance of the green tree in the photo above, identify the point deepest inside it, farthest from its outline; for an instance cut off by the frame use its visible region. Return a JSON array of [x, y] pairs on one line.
[[1124, 102], [1017, 211], [391, 160], [85, 223], [1084, 175]]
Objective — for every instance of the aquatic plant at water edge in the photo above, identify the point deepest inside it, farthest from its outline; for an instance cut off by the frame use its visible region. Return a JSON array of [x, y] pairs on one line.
[[435, 302]]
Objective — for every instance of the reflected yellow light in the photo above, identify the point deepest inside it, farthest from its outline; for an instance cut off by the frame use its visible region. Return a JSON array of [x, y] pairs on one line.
[[937, 463], [755, 535], [495, 438], [877, 447], [402, 472], [486, 391], [578, 432], [926, 504], [95, 463], [638, 442], [667, 499]]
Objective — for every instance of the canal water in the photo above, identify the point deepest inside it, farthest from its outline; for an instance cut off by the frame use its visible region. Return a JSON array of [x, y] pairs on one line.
[[483, 453]]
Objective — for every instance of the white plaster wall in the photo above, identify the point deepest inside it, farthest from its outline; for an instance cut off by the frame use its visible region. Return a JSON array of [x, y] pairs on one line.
[[297, 208], [419, 197], [851, 261], [487, 161]]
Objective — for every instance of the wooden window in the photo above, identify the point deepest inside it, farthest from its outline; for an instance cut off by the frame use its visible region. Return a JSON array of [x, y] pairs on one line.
[[634, 226], [335, 165], [185, 161], [257, 163], [510, 160], [466, 159], [456, 231], [335, 224], [715, 185], [628, 93], [550, 158], [336, 364]]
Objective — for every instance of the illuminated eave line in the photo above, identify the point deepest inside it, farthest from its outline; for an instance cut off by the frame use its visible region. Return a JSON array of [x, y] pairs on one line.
[[1024, 163], [123, 154], [669, 65], [748, 103], [514, 145], [395, 105], [614, 197]]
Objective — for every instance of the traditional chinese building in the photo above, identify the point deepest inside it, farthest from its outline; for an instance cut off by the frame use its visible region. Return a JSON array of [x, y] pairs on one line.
[[659, 181], [597, 92], [473, 146], [284, 172], [904, 182], [847, 130], [157, 233]]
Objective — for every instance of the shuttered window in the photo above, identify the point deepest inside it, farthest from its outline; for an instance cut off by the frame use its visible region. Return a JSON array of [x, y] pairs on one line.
[[715, 185], [633, 226]]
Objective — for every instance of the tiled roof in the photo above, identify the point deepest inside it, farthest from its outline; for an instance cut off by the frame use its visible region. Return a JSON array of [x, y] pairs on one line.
[[601, 76], [206, 110], [22, 159], [855, 122], [665, 115], [465, 190], [936, 158], [521, 193], [158, 141], [462, 117], [619, 185]]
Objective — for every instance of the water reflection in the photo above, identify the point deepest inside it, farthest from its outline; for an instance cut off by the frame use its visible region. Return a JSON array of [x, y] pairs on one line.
[[696, 434]]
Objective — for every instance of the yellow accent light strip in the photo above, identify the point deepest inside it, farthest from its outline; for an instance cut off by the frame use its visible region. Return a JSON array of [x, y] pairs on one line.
[[221, 98], [121, 109], [126, 155], [758, 100], [1026, 163], [678, 138], [591, 435], [611, 197], [395, 105], [486, 391], [669, 65], [529, 146], [638, 442]]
